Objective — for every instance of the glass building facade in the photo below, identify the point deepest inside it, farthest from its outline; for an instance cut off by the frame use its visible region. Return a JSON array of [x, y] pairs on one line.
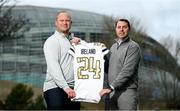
[[22, 60]]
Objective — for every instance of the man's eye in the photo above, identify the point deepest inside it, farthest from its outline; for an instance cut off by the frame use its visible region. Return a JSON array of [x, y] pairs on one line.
[[125, 27], [67, 20]]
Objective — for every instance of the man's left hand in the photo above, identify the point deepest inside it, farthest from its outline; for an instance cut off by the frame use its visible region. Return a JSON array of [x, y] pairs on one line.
[[104, 92], [75, 40]]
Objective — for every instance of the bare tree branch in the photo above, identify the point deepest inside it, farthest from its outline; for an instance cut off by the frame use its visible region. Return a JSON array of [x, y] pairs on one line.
[[11, 26]]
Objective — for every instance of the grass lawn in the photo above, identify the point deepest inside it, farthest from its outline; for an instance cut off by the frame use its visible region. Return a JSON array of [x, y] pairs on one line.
[[92, 106], [6, 86]]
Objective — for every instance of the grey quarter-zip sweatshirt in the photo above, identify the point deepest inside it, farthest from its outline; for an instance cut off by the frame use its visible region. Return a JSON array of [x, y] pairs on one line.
[[123, 64], [59, 62]]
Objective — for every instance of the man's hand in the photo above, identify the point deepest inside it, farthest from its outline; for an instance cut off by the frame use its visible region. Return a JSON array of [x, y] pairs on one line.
[[75, 40], [104, 92], [71, 93]]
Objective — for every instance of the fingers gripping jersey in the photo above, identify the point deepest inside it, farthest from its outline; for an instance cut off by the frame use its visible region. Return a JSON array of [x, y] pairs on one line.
[[89, 70]]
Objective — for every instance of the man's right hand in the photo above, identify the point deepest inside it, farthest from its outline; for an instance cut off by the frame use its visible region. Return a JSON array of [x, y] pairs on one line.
[[70, 92]]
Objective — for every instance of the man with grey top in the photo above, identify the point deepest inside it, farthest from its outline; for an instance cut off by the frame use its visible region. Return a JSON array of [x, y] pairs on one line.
[[124, 61], [59, 82]]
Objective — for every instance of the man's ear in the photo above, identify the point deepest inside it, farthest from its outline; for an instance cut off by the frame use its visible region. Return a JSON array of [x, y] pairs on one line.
[[55, 23]]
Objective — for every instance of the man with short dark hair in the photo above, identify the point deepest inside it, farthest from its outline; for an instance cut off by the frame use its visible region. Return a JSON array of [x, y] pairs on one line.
[[123, 70]]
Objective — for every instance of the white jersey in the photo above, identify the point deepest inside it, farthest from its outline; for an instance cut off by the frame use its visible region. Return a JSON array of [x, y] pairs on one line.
[[88, 70]]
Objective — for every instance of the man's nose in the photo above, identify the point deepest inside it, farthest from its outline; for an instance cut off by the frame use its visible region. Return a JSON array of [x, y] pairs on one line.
[[64, 22], [121, 28]]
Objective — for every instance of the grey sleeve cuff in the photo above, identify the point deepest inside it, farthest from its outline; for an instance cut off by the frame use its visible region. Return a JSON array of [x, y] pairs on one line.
[[111, 87]]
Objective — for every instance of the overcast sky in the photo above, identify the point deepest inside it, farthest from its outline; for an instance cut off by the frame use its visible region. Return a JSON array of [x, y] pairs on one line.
[[160, 18]]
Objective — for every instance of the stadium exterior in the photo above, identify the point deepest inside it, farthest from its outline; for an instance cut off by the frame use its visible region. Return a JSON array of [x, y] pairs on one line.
[[22, 59]]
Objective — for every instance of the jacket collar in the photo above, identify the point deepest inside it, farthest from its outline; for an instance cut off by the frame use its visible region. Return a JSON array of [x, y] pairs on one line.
[[69, 37], [120, 41]]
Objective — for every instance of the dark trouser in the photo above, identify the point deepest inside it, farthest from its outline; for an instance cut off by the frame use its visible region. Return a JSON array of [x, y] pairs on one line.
[[122, 100], [57, 99]]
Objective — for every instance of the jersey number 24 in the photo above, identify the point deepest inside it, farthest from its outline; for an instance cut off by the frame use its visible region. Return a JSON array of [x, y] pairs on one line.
[[89, 66]]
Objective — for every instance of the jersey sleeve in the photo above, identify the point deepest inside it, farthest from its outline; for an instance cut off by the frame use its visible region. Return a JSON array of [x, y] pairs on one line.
[[72, 51], [105, 50]]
